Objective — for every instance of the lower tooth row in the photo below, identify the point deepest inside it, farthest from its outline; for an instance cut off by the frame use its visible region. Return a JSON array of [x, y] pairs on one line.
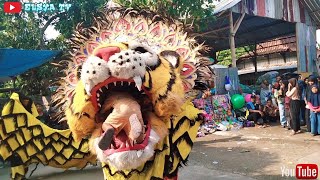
[[115, 84]]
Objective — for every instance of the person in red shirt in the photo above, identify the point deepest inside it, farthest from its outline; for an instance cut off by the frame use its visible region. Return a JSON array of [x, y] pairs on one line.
[[286, 100]]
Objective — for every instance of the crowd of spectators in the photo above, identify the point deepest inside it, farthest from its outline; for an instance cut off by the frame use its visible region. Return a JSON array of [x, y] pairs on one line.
[[294, 102]]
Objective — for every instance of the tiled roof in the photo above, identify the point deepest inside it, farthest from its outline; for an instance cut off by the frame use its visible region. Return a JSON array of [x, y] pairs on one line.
[[283, 44]]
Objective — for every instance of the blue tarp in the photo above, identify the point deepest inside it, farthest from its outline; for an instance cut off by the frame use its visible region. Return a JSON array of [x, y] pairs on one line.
[[17, 61]]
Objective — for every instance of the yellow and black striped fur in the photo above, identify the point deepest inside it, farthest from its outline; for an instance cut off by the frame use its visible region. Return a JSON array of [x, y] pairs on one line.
[[25, 140]]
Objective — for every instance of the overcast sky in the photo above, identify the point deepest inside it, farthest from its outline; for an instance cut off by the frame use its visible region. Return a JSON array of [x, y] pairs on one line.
[[51, 33]]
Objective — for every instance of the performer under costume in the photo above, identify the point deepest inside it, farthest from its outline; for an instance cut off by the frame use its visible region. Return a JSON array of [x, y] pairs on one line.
[[126, 115]]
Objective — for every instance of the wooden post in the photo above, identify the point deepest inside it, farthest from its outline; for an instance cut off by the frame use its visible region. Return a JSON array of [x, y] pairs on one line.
[[233, 30], [232, 42], [214, 54], [255, 59], [283, 54]]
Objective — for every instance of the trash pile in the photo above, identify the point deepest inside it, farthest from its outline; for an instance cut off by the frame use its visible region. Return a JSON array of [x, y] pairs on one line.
[[218, 113], [221, 112]]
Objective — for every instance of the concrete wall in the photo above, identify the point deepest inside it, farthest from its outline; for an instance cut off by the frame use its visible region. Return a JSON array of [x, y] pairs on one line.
[[263, 62], [220, 80]]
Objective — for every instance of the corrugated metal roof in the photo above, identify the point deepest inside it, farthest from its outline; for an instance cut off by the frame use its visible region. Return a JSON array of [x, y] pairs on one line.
[[253, 29], [225, 5], [287, 10], [264, 20], [313, 7]]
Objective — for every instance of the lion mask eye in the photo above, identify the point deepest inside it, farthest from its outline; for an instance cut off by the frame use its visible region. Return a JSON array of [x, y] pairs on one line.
[[171, 56], [147, 54], [140, 49]]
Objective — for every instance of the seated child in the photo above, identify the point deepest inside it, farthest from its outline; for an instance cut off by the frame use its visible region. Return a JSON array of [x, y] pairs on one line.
[[255, 110], [287, 111], [270, 111]]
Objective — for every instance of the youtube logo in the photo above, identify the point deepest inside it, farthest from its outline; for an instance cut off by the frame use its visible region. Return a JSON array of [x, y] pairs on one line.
[[12, 7]]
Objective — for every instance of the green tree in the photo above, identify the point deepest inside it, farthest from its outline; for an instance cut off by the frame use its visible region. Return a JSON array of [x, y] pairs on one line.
[[27, 31], [224, 56], [196, 12]]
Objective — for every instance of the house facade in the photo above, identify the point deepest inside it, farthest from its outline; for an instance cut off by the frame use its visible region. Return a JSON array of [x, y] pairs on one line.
[[279, 55]]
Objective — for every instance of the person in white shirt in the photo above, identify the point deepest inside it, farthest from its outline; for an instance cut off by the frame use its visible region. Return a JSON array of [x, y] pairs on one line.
[[294, 95]]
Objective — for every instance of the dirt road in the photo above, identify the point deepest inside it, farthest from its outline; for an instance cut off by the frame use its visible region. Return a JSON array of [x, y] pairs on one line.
[[259, 153], [250, 153]]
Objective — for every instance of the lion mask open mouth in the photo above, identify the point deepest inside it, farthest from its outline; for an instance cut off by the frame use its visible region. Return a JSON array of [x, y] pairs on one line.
[[113, 76]]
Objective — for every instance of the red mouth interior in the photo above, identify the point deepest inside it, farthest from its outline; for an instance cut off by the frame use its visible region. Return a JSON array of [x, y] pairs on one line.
[[121, 140], [99, 93], [109, 81]]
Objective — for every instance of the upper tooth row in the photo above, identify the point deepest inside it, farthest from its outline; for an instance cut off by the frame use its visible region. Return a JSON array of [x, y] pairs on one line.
[[107, 86]]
